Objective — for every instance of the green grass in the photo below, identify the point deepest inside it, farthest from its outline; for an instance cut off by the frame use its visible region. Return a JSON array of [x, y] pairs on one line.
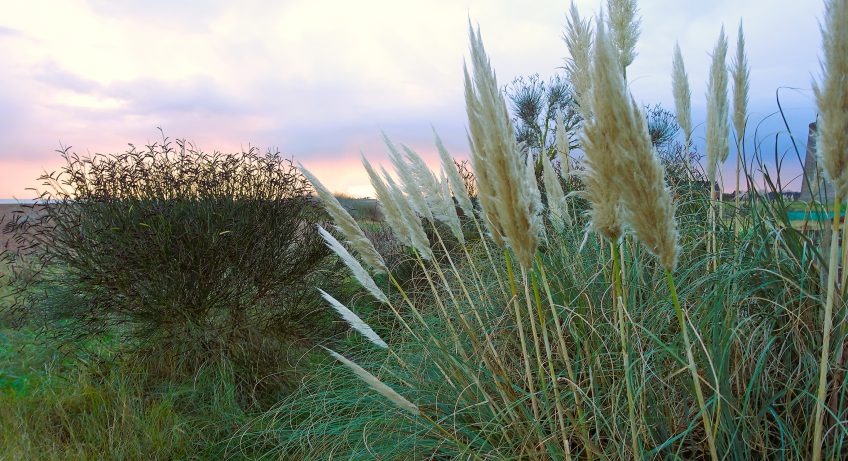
[[90, 405]]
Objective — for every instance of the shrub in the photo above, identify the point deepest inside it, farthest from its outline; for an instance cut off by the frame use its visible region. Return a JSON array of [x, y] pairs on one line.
[[183, 252]]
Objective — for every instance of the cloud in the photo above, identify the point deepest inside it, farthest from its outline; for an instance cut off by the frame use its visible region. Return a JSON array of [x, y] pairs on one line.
[[320, 79], [8, 32]]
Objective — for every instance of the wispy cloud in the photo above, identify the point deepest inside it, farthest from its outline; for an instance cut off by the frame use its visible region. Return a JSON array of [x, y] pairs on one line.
[[320, 79]]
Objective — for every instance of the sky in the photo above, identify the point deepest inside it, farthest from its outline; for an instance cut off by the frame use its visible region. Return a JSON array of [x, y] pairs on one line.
[[319, 80]]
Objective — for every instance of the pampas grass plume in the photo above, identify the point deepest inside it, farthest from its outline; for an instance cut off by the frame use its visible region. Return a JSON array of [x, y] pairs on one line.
[[408, 218], [440, 204], [376, 384], [346, 225], [601, 187], [411, 185], [646, 200], [624, 27], [509, 199], [578, 40], [456, 183], [620, 156], [562, 146], [354, 321], [717, 109], [682, 94], [741, 85], [356, 269], [553, 190], [832, 96]]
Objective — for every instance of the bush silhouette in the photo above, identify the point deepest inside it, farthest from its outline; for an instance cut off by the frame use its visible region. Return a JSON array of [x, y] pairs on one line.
[[175, 250]]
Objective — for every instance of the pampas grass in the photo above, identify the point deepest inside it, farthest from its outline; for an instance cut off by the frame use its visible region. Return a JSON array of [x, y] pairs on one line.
[[376, 384], [721, 369], [563, 147], [411, 185], [346, 225], [436, 193], [356, 269], [832, 98], [597, 138], [717, 109], [717, 131], [557, 204], [354, 321], [578, 40], [741, 85], [510, 206], [646, 200], [454, 179], [624, 27], [682, 95]]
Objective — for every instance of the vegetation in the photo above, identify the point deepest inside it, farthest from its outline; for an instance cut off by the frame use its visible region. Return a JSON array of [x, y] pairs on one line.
[[529, 306], [721, 327]]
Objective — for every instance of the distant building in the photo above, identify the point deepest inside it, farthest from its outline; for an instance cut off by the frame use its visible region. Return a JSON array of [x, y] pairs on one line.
[[813, 178]]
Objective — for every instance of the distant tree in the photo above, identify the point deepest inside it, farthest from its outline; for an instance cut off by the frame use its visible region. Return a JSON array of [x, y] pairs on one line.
[[662, 125], [535, 105]]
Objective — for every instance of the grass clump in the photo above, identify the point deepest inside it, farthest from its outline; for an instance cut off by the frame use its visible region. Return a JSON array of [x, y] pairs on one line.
[[506, 351]]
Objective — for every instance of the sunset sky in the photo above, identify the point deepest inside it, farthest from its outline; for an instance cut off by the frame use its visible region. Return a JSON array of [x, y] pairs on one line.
[[320, 79]]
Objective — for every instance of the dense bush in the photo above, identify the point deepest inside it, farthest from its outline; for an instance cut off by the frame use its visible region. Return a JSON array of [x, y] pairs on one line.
[[175, 249]]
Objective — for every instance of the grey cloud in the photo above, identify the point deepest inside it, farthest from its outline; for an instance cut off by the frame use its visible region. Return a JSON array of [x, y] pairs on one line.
[[151, 96], [50, 73]]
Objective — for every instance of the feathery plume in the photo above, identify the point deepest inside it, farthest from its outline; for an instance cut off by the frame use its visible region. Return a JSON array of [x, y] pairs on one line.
[[408, 180], [717, 109], [557, 206], [646, 200], [400, 216], [601, 187], [355, 268], [741, 84], [624, 27], [636, 170], [447, 211], [510, 206], [392, 211], [578, 40], [562, 146], [832, 96], [354, 321], [534, 196], [682, 94], [455, 180], [376, 384], [409, 218], [441, 206], [346, 225]]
